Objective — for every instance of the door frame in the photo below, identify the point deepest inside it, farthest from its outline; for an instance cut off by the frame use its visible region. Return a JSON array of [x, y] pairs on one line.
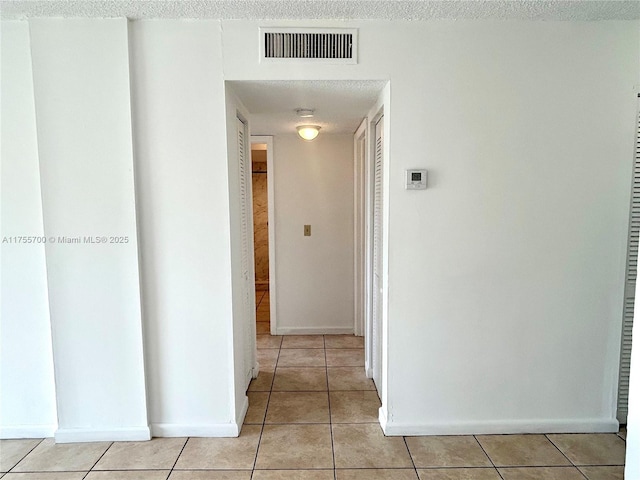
[[363, 205], [271, 223], [380, 339], [250, 349], [360, 156], [381, 106]]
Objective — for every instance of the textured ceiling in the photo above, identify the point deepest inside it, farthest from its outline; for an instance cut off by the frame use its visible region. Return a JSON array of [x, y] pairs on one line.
[[339, 106], [327, 9]]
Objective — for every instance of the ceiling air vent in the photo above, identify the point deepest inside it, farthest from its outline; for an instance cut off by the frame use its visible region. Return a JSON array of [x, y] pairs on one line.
[[321, 45]]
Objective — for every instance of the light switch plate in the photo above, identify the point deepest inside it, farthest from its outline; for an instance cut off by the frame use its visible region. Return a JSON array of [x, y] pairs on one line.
[[307, 230]]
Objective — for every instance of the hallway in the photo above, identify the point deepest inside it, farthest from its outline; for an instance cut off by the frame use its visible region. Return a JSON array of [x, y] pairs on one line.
[[263, 315], [313, 416]]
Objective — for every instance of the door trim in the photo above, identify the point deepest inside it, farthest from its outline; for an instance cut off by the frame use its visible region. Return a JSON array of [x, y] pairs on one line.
[[271, 219], [360, 154], [377, 249], [248, 284]]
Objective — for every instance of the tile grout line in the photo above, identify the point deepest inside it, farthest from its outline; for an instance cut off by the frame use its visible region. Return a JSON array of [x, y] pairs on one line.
[[23, 457], [255, 459], [275, 369], [178, 457], [562, 453], [406, 445], [475, 437], [266, 410], [96, 462], [326, 367]]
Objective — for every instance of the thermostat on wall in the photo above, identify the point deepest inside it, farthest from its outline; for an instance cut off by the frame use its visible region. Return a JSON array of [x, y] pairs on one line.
[[416, 180]]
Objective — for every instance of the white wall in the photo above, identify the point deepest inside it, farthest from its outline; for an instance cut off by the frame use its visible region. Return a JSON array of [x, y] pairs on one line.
[[81, 80], [27, 390], [313, 184], [506, 276], [517, 249], [183, 201]]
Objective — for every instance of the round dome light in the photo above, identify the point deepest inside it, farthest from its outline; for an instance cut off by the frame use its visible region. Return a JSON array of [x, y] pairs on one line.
[[308, 132]]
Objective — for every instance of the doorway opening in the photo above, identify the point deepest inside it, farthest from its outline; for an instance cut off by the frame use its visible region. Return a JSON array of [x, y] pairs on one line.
[[263, 235], [324, 205]]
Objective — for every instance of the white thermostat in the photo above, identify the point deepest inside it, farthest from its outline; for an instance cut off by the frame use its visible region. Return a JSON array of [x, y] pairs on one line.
[[416, 180]]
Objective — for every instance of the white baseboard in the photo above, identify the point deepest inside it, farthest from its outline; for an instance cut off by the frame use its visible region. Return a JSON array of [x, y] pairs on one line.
[[368, 370], [248, 377], [27, 431], [314, 331], [185, 430], [590, 425], [242, 413], [130, 434], [382, 418]]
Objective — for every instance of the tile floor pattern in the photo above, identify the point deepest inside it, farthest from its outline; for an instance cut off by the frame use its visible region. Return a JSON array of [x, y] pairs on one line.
[[313, 416], [263, 312]]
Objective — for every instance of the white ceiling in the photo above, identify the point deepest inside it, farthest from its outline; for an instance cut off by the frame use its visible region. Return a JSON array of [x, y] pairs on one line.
[[327, 9], [339, 106]]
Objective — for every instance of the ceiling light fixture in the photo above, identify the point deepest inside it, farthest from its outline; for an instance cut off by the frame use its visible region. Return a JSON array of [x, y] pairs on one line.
[[308, 132]]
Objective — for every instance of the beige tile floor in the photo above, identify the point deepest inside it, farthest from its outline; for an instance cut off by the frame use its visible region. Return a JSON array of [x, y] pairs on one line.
[[313, 416], [263, 312]]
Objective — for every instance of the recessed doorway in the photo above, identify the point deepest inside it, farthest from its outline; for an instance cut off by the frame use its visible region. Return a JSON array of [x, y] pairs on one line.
[[262, 246], [324, 284]]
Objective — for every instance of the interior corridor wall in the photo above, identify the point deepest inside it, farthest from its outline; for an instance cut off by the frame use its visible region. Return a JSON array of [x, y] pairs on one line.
[[506, 276], [81, 85], [27, 389], [183, 203], [522, 234], [313, 185]]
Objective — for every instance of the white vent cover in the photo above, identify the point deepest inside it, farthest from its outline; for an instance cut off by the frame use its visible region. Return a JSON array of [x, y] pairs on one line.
[[317, 45]]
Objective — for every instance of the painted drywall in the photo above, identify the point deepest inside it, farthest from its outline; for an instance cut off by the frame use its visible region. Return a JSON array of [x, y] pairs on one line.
[[313, 185], [519, 244], [27, 390], [81, 85], [506, 275], [183, 202]]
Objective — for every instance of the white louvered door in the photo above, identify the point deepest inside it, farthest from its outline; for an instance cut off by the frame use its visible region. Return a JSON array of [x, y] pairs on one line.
[[377, 256], [246, 226], [630, 285]]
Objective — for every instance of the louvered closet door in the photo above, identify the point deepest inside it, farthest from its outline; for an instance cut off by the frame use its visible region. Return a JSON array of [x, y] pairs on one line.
[[246, 223], [630, 285], [377, 257]]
